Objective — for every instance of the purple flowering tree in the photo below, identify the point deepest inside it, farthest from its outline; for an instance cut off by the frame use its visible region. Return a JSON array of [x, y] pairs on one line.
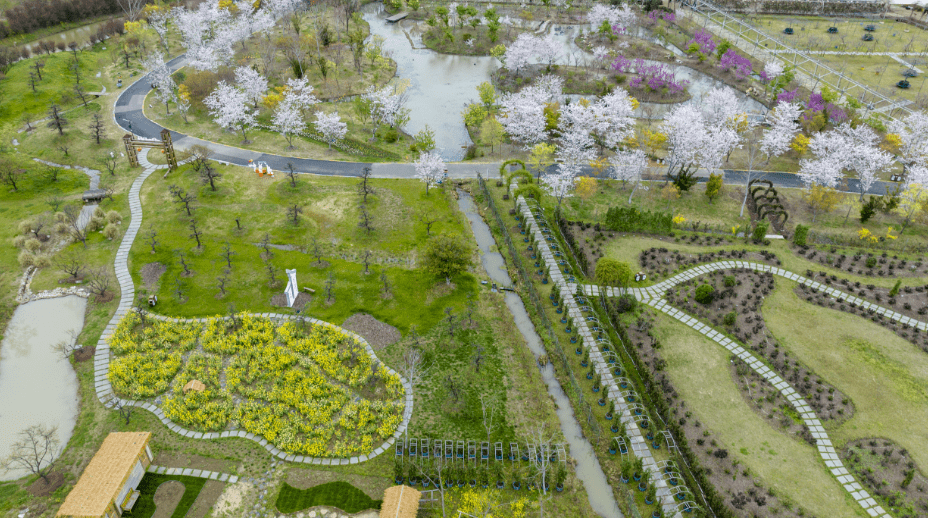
[[739, 65], [702, 42], [787, 96]]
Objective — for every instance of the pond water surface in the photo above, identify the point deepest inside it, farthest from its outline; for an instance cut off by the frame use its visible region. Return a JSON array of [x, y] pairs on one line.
[[37, 386]]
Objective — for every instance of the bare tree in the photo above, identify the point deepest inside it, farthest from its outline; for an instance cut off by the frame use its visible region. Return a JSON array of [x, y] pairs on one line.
[[56, 120], [428, 219], [99, 282], [436, 478], [367, 222], [544, 443], [109, 163], [65, 348], [37, 448], [293, 213], [9, 173], [183, 197], [32, 81], [271, 273], [72, 215], [76, 70], [152, 238], [330, 288], [316, 250], [385, 283], [125, 410], [366, 260], [195, 232], [221, 281], [364, 187], [64, 149], [38, 65], [268, 253], [98, 129], [36, 225], [413, 367], [82, 95], [182, 259], [488, 406], [200, 155], [71, 263], [227, 254], [131, 8], [54, 201], [209, 174], [291, 174]]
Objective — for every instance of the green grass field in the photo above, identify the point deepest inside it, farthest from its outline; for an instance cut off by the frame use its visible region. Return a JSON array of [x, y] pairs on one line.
[[885, 376], [145, 506], [334, 494], [879, 73], [810, 33], [331, 215], [698, 368]]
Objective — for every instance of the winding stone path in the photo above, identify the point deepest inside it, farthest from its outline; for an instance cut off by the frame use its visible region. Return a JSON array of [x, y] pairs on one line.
[[189, 472], [102, 356], [653, 296]]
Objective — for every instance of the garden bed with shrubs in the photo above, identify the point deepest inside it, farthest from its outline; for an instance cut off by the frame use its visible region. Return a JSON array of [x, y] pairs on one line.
[[307, 389], [663, 262], [720, 472], [909, 301], [888, 473], [730, 300], [862, 263]]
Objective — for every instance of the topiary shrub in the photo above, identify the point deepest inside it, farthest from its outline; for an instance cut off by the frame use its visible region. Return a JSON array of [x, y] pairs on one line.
[[730, 281], [610, 272], [800, 235], [705, 294], [760, 231]]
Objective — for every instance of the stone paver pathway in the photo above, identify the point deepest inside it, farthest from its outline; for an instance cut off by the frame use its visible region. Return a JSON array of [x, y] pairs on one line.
[[102, 356], [653, 296], [190, 472], [638, 443]]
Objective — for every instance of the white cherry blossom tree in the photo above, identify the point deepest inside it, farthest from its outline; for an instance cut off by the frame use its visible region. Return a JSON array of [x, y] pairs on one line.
[[430, 168], [331, 127], [913, 134], [252, 83], [783, 126], [288, 119], [228, 105], [628, 166]]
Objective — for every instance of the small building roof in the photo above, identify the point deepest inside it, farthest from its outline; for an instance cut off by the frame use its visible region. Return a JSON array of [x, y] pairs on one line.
[[104, 475], [400, 502]]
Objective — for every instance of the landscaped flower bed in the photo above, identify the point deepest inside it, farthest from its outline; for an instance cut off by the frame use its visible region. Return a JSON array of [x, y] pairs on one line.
[[308, 389]]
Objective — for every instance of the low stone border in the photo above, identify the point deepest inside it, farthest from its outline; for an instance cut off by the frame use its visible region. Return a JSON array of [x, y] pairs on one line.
[[102, 356], [653, 296], [189, 472]]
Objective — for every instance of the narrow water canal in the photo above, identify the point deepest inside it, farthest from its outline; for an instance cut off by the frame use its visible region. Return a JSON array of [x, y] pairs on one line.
[[37, 385], [598, 490]]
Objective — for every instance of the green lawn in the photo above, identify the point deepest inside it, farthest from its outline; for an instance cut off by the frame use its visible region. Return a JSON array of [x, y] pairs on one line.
[[330, 214], [145, 505], [334, 494], [698, 368], [810, 33], [885, 376]]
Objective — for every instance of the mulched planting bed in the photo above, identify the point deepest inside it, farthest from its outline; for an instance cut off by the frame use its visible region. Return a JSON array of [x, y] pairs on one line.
[[888, 473], [744, 495], [378, 334], [860, 263], [661, 262], [909, 301], [735, 309], [84, 353]]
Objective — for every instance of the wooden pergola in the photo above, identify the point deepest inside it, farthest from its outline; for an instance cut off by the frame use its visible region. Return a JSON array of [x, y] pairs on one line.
[[134, 145]]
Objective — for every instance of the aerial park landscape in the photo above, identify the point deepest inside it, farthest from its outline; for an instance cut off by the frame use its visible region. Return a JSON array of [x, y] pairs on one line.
[[463, 259]]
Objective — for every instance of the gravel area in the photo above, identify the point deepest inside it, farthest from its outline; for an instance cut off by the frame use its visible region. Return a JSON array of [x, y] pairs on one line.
[[377, 333]]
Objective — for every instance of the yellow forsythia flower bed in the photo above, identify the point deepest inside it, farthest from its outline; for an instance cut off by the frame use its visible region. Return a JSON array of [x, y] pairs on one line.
[[308, 389]]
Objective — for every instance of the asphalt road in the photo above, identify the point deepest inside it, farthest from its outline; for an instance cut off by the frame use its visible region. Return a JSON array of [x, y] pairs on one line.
[[129, 115]]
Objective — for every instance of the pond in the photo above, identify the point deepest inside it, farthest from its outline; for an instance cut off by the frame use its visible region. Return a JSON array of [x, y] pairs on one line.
[[441, 85], [38, 386]]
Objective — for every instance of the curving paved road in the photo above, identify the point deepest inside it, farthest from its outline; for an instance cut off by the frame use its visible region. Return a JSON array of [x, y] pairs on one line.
[[129, 115], [104, 388]]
